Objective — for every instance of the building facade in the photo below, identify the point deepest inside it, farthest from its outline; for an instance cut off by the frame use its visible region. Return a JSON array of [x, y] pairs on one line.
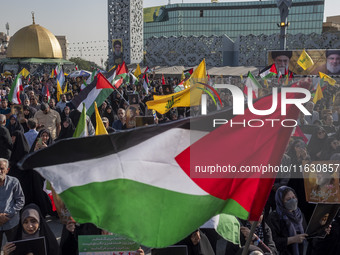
[[63, 45], [332, 24], [4, 40], [231, 18], [125, 31]]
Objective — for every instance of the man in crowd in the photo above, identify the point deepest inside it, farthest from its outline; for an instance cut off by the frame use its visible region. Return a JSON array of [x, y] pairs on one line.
[[27, 103], [62, 103], [5, 110], [31, 134], [106, 125], [49, 119], [52, 104], [118, 124], [12, 200], [315, 115]]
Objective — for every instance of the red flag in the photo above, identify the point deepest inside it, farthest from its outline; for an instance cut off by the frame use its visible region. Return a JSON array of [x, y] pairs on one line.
[[163, 80], [145, 72], [47, 94]]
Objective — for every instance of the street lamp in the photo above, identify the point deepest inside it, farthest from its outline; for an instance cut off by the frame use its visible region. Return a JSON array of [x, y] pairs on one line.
[[284, 6]]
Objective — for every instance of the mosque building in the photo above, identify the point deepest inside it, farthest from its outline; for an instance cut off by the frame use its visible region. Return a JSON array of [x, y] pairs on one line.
[[35, 48]]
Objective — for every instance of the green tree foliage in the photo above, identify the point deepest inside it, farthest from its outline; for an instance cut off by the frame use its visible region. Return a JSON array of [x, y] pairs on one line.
[[84, 64]]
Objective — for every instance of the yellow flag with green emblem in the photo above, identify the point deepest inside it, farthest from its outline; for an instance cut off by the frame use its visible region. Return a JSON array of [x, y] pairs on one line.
[[318, 94], [185, 98], [305, 61], [24, 72], [137, 71], [325, 77]]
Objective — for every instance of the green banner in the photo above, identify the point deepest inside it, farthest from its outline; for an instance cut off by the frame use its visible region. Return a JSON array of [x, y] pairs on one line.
[[106, 244]]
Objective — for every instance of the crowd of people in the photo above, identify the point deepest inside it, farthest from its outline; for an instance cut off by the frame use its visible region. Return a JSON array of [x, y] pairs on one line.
[[41, 121]]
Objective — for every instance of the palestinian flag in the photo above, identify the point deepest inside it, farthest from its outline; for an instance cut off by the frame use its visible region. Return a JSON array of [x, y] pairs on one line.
[[188, 72], [146, 84], [14, 94], [133, 79], [81, 129], [268, 72], [252, 83], [91, 77], [99, 89], [138, 183], [121, 75]]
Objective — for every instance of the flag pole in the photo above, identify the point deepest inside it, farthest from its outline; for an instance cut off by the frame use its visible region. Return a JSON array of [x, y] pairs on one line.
[[250, 237], [120, 94]]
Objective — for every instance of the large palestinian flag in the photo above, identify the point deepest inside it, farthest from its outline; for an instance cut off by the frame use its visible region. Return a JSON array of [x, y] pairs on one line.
[[137, 182]]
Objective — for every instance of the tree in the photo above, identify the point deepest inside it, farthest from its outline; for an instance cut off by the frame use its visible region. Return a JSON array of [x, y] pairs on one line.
[[84, 64]]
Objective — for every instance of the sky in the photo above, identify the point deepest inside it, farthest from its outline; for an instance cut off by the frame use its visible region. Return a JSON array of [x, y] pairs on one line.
[[84, 22]]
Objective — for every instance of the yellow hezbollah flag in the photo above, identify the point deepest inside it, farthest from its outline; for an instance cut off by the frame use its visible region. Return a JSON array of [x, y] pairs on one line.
[[305, 61], [185, 98], [137, 71], [100, 128], [59, 91], [318, 94], [65, 88], [24, 72], [325, 77]]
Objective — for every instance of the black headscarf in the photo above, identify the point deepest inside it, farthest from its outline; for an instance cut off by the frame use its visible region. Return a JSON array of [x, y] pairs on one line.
[[52, 247], [15, 126], [49, 141], [20, 147], [316, 144], [295, 160], [202, 248], [28, 116], [66, 132], [37, 195], [110, 116], [63, 115]]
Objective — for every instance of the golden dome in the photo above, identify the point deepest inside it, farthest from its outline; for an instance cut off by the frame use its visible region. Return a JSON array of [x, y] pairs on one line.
[[34, 41]]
